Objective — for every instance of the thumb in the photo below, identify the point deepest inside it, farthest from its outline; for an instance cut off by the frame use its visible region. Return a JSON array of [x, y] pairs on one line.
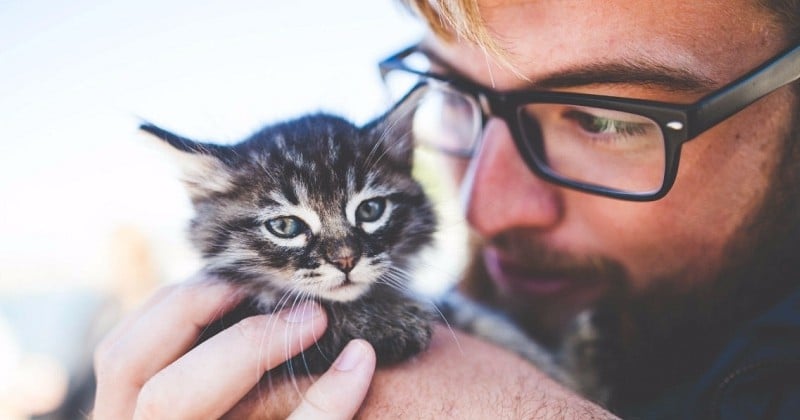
[[338, 393]]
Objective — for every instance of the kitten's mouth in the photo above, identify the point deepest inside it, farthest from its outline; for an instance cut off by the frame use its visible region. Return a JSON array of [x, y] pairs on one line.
[[345, 284], [345, 291]]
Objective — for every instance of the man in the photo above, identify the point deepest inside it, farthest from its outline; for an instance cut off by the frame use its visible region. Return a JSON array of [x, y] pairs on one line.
[[693, 285]]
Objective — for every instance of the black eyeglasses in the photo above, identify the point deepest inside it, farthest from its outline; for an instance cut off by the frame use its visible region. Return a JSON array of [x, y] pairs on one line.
[[617, 147]]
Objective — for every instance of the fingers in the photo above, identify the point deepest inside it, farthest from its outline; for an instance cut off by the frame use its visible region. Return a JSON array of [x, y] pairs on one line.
[[150, 365], [338, 394], [153, 300], [143, 344], [209, 380]]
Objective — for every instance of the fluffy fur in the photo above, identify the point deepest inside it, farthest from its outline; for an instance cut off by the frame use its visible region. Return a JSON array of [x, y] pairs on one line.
[[319, 209], [316, 209]]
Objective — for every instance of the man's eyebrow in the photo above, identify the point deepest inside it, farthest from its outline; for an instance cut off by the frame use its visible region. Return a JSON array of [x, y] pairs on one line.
[[642, 72], [628, 73]]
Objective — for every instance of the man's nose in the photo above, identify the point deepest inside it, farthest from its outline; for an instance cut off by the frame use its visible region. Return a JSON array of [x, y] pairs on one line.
[[499, 191]]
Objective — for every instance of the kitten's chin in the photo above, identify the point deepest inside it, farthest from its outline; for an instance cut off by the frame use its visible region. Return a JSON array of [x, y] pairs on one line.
[[344, 292]]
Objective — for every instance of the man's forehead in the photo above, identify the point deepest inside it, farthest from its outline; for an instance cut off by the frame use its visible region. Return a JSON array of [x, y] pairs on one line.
[[676, 72], [556, 44]]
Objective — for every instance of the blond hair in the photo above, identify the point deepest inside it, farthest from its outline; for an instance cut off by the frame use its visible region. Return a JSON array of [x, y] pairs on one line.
[[461, 19]]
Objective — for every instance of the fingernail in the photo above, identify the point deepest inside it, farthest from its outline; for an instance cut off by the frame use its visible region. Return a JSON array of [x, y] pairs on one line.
[[301, 313], [351, 356]]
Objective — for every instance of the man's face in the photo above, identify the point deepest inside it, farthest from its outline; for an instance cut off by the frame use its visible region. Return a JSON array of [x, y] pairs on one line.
[[558, 250]]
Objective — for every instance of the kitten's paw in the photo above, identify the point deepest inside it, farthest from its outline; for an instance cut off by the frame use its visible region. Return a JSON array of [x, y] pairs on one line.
[[402, 337], [397, 330]]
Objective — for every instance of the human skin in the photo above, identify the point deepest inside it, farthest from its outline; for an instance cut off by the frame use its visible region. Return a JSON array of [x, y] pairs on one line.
[[152, 365], [681, 238], [722, 179], [723, 174], [458, 377]]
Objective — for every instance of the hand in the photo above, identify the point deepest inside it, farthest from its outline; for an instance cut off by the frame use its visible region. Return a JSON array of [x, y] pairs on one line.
[[149, 366]]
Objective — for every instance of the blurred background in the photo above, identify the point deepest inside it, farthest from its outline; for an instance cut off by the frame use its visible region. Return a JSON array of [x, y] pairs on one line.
[[92, 216]]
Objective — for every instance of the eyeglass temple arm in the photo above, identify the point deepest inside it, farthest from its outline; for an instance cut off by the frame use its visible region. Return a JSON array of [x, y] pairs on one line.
[[742, 92], [394, 62]]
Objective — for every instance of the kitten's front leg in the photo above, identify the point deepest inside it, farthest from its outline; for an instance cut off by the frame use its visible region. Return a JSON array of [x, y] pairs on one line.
[[395, 324]]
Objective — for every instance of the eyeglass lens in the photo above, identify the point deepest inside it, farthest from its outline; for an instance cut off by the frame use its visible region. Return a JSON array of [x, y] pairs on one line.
[[595, 146], [586, 145]]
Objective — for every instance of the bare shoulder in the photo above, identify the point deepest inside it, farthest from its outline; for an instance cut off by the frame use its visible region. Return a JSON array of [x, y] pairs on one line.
[[458, 376], [462, 377]]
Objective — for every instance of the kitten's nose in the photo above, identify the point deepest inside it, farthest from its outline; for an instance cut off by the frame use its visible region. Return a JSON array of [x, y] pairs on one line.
[[345, 263], [342, 252], [344, 258]]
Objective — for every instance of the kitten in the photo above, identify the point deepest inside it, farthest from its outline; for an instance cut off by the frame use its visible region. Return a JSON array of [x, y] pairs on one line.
[[319, 209], [316, 209]]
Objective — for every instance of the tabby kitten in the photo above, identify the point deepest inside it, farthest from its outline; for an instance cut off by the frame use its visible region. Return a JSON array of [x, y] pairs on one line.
[[316, 209], [319, 209]]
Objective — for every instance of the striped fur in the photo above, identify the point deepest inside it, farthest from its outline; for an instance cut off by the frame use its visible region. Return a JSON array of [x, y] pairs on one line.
[[316, 209]]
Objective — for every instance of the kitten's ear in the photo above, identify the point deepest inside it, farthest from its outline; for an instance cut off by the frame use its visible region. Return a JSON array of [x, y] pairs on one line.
[[395, 129], [205, 171]]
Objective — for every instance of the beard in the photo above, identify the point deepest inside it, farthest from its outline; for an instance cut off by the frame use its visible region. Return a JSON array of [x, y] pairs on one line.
[[647, 341], [664, 336]]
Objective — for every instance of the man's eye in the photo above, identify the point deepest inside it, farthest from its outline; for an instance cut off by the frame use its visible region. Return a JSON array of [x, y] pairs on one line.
[[602, 125], [371, 210], [286, 226]]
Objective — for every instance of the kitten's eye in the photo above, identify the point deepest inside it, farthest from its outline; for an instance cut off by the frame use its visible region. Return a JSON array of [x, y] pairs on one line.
[[286, 226], [370, 210]]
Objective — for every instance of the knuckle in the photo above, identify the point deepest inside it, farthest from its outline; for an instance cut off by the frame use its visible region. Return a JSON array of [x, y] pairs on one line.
[[180, 294], [181, 297], [151, 403], [251, 329], [100, 356], [321, 405], [113, 365], [168, 290], [107, 362], [190, 295]]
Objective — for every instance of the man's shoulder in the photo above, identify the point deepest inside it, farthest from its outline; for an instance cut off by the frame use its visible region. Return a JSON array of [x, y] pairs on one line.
[[757, 375]]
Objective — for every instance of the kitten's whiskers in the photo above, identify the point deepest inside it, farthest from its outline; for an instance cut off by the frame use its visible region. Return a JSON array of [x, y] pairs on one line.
[[269, 331], [404, 274]]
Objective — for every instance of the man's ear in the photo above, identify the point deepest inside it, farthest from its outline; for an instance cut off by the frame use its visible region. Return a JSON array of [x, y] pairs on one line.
[[204, 168], [394, 130]]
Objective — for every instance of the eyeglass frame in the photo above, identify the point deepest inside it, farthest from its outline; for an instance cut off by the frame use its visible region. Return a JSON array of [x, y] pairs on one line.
[[679, 123]]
